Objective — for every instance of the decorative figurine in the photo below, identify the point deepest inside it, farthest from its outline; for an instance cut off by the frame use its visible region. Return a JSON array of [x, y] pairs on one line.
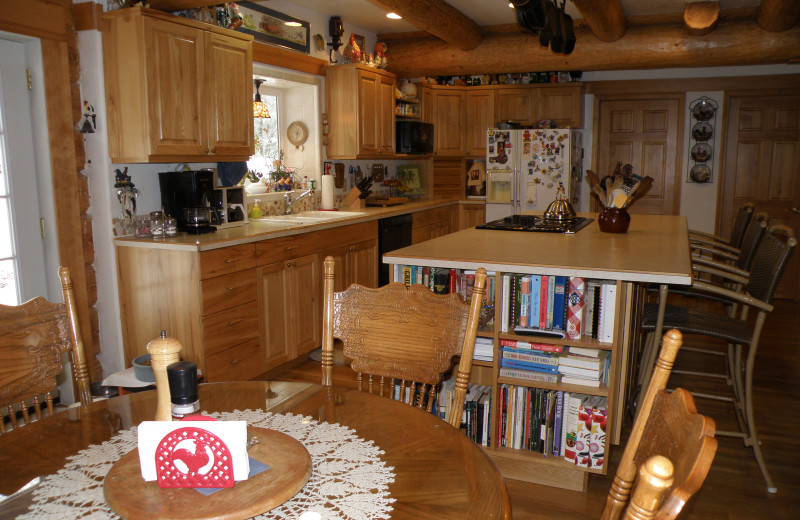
[[126, 194], [380, 55], [89, 119], [351, 52]]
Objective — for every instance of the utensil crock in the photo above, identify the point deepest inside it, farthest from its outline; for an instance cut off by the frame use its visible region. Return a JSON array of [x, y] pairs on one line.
[[614, 220]]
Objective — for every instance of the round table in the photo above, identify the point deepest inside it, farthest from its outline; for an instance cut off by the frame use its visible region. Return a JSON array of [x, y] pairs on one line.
[[439, 472]]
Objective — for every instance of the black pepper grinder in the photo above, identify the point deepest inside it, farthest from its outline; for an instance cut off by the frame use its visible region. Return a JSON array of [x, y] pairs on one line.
[[183, 388]]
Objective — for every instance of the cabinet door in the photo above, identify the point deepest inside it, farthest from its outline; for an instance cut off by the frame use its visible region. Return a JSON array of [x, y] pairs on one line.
[[303, 306], [428, 101], [385, 112], [368, 97], [471, 215], [176, 89], [229, 86], [480, 117], [562, 105], [517, 104], [362, 263], [450, 122], [273, 298]]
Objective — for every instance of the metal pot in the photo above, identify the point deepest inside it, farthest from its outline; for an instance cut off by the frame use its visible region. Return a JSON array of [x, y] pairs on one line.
[[560, 209]]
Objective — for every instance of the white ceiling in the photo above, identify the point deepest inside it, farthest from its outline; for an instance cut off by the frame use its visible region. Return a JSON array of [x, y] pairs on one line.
[[366, 15]]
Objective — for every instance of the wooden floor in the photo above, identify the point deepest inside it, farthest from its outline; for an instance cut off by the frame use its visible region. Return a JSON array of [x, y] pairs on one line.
[[734, 488]]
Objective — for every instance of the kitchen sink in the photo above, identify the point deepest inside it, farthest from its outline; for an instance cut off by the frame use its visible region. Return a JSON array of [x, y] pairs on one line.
[[312, 217]]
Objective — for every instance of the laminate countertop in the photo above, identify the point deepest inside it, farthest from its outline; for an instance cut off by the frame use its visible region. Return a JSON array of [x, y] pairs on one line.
[[268, 228], [655, 249]]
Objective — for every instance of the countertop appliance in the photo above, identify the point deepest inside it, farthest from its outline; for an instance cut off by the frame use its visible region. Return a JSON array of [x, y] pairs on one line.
[[393, 233], [189, 189], [413, 137], [537, 223], [524, 168]]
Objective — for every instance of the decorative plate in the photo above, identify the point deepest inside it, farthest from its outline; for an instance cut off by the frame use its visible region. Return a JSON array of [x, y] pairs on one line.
[[702, 131], [701, 152], [703, 110], [297, 133], [700, 173]]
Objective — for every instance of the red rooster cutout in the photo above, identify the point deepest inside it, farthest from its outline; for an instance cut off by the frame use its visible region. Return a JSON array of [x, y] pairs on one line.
[[208, 465]]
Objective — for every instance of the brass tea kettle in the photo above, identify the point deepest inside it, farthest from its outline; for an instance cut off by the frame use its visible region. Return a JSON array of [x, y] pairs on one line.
[[560, 209]]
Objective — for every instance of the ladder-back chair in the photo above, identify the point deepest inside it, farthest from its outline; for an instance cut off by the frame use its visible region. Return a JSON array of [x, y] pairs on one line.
[[732, 244], [401, 338], [33, 336], [667, 424]]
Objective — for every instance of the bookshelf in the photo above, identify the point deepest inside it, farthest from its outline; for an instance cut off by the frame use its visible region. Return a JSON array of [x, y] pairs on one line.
[[655, 250]]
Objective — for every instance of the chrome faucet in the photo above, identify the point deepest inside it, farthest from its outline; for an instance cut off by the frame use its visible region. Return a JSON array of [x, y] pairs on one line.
[[288, 202]]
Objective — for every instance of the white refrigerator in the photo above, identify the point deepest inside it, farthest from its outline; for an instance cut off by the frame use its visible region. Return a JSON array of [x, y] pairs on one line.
[[525, 167]]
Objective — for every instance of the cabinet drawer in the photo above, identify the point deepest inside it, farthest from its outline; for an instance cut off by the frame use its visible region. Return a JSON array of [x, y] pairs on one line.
[[230, 327], [230, 290], [227, 260], [279, 249], [239, 363], [423, 218]]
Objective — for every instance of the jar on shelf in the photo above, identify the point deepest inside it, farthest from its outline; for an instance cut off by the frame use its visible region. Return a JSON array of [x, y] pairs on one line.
[[157, 224]]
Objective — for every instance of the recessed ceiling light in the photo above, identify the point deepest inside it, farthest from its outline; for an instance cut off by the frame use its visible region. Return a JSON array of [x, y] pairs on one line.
[[393, 16], [511, 5], [293, 24]]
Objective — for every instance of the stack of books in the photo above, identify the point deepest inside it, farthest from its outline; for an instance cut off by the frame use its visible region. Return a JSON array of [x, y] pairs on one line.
[[529, 361], [584, 366], [484, 349]]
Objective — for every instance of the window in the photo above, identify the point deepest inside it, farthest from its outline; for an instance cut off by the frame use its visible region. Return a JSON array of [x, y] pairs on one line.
[[266, 137]]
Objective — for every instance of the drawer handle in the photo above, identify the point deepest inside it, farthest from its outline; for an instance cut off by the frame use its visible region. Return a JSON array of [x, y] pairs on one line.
[[231, 260], [232, 288], [291, 247], [233, 362], [234, 322]]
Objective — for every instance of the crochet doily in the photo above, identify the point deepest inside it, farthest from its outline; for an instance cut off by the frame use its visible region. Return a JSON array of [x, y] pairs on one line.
[[348, 479]]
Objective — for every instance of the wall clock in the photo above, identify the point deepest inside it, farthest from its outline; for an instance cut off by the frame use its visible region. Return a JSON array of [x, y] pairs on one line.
[[297, 133]]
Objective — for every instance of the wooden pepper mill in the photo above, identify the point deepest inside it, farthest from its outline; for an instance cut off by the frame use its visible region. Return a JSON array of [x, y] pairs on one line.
[[163, 352]]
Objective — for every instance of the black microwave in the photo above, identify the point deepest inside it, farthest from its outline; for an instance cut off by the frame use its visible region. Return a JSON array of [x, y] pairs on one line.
[[413, 137]]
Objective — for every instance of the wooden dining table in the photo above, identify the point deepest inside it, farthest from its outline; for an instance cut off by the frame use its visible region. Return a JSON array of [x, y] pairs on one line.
[[438, 472]]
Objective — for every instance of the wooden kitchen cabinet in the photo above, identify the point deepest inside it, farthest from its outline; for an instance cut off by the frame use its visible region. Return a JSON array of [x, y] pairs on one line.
[[516, 103], [176, 90], [433, 223], [471, 215], [355, 263], [562, 104], [480, 117], [450, 119], [360, 103]]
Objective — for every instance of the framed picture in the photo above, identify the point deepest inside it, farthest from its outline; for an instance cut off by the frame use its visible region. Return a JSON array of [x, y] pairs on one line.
[[271, 27]]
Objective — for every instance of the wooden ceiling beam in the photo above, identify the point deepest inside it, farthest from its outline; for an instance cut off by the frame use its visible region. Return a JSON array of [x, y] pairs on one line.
[[778, 15], [644, 47], [177, 5], [438, 18], [604, 17], [700, 18]]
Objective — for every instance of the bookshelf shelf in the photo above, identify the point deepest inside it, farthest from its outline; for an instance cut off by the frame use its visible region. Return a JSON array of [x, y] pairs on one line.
[[527, 456], [567, 342], [601, 390]]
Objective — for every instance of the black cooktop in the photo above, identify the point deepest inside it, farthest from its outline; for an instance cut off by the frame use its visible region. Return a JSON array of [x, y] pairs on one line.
[[537, 223]]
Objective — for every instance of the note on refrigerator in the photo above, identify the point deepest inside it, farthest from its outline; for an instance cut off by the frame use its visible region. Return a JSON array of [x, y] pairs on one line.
[[530, 192]]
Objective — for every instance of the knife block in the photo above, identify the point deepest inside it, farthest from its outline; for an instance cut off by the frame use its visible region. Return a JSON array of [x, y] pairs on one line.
[[352, 200]]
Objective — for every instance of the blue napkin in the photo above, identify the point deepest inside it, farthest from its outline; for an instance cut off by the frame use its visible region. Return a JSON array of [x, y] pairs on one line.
[[256, 467]]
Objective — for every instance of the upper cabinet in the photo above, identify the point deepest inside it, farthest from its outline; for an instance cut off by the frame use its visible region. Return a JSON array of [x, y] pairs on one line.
[[480, 116], [517, 103], [449, 121], [562, 104], [360, 104], [176, 90]]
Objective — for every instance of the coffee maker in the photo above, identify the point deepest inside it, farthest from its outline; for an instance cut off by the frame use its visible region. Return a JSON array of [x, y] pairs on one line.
[[188, 196]]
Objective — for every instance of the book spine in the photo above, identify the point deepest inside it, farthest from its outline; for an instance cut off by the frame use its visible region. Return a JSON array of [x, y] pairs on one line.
[[524, 305], [551, 293], [441, 281], [543, 296], [584, 435], [505, 302], [529, 375], [407, 275], [452, 278], [571, 428], [420, 271], [557, 424], [575, 307], [609, 313], [426, 276], [536, 282], [559, 302], [523, 365], [598, 438], [542, 359], [564, 421]]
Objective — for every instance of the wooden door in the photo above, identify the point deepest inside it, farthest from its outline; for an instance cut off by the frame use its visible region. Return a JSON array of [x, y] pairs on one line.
[[385, 112], [517, 104], [480, 117], [303, 304], [362, 263], [562, 104], [229, 87], [368, 97], [273, 298], [644, 133], [176, 88], [449, 122], [762, 166]]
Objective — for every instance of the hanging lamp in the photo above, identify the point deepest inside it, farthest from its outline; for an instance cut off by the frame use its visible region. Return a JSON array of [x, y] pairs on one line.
[[259, 108]]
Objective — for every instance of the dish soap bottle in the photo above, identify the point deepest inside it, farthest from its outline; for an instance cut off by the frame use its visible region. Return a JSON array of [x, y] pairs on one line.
[[256, 211]]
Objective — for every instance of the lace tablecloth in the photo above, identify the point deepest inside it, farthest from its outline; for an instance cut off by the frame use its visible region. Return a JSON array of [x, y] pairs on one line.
[[348, 479]]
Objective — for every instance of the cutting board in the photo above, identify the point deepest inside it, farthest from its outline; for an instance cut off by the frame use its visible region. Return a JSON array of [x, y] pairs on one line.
[[386, 201]]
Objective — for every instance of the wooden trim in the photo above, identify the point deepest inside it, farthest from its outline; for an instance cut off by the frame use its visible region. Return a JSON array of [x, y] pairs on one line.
[[271, 55], [609, 88], [86, 15], [38, 18], [154, 13]]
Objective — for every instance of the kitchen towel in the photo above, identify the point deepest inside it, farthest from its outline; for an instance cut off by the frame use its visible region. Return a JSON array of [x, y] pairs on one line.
[[327, 191]]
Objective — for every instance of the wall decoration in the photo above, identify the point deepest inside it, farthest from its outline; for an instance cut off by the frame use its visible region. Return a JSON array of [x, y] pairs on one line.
[[701, 142], [271, 27]]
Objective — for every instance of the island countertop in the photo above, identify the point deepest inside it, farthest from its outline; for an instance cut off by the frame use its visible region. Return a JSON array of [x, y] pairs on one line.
[[655, 249]]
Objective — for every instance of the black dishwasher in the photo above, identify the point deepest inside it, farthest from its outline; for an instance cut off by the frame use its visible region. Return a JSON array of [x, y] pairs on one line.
[[393, 233]]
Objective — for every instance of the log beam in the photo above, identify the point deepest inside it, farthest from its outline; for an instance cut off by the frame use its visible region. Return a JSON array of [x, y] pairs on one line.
[[700, 18], [438, 18], [644, 47], [604, 17], [177, 5], [778, 15]]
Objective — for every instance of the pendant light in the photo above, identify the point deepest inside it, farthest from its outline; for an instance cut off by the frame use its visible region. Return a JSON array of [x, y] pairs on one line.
[[259, 108]]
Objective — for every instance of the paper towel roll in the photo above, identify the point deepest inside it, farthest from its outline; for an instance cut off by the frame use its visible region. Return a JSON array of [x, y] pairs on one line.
[[327, 191]]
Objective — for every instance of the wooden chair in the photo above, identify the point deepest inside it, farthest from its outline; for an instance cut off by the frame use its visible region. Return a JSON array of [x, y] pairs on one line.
[[400, 335], [33, 336], [666, 424]]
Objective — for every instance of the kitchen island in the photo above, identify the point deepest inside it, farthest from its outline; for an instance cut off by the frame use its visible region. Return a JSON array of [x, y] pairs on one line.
[[654, 250]]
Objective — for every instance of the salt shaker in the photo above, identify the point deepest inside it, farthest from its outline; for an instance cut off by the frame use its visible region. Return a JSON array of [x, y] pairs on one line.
[[163, 352]]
